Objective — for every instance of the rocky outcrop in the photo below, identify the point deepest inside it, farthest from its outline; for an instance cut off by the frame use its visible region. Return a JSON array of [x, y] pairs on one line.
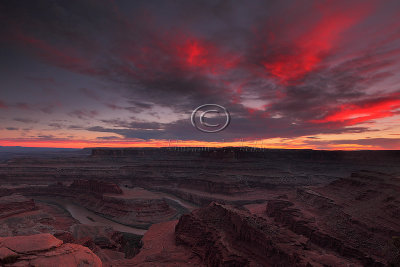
[[116, 152], [222, 153], [134, 211], [314, 199], [44, 250], [224, 236], [196, 198], [160, 250], [322, 223], [104, 241], [361, 209], [44, 219], [128, 210], [129, 244], [286, 214], [96, 186], [214, 187], [15, 204]]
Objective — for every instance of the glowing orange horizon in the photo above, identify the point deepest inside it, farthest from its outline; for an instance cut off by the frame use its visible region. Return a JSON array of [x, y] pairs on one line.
[[80, 144]]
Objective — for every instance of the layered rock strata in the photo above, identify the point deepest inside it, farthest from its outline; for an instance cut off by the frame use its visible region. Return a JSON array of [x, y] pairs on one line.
[[44, 250]]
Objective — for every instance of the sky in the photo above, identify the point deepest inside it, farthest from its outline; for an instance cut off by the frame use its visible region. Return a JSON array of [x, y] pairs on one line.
[[292, 74]]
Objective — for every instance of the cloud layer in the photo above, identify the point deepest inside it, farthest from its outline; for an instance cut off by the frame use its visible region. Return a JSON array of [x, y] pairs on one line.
[[136, 70]]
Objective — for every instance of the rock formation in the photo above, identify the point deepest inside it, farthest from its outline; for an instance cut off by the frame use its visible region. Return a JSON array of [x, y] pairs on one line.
[[160, 250], [44, 250], [224, 236], [14, 204], [268, 207], [95, 186], [285, 214]]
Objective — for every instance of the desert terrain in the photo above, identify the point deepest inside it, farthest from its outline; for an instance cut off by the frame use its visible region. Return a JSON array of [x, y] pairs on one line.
[[199, 207]]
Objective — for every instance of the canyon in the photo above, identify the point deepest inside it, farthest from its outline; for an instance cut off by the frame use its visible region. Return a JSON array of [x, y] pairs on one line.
[[202, 207]]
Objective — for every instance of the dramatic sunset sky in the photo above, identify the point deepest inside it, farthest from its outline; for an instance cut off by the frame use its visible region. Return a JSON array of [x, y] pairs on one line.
[[293, 74]]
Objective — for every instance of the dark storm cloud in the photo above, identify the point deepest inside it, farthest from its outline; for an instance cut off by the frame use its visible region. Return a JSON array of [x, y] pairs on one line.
[[142, 105], [46, 137], [134, 106], [134, 124], [328, 88], [129, 133], [23, 105], [183, 54], [83, 114], [75, 127], [162, 80], [56, 125], [113, 106], [2, 104], [129, 129], [42, 80], [48, 108], [240, 128], [138, 106], [26, 120], [90, 93], [108, 138]]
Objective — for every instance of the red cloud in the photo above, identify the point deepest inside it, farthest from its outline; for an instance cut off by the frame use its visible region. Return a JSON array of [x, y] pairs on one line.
[[167, 53], [2, 105], [57, 55], [351, 114], [296, 57], [200, 54], [49, 52], [195, 54]]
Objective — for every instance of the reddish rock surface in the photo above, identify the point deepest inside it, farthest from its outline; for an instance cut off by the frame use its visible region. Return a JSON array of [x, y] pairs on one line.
[[135, 211], [44, 250], [139, 210], [286, 214], [361, 212], [275, 207], [45, 219], [31, 243], [224, 236], [14, 204], [160, 250], [96, 186]]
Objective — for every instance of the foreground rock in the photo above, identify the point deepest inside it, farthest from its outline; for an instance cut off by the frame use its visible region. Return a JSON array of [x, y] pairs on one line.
[[44, 219], [44, 250], [160, 250], [106, 243]]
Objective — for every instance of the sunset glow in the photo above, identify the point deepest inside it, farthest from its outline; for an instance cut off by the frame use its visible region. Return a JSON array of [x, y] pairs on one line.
[[312, 75]]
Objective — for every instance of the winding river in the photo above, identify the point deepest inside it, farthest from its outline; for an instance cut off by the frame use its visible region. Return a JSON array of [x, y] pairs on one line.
[[85, 216], [88, 217]]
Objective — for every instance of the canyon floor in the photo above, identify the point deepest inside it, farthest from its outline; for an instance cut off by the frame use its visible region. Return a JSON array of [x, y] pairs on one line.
[[199, 207]]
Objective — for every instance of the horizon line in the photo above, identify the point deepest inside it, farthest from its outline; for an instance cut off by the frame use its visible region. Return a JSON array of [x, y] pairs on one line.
[[192, 147]]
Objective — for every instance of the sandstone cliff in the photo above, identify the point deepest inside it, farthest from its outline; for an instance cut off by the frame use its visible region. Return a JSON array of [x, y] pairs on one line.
[[14, 204], [224, 236], [44, 250], [96, 186]]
